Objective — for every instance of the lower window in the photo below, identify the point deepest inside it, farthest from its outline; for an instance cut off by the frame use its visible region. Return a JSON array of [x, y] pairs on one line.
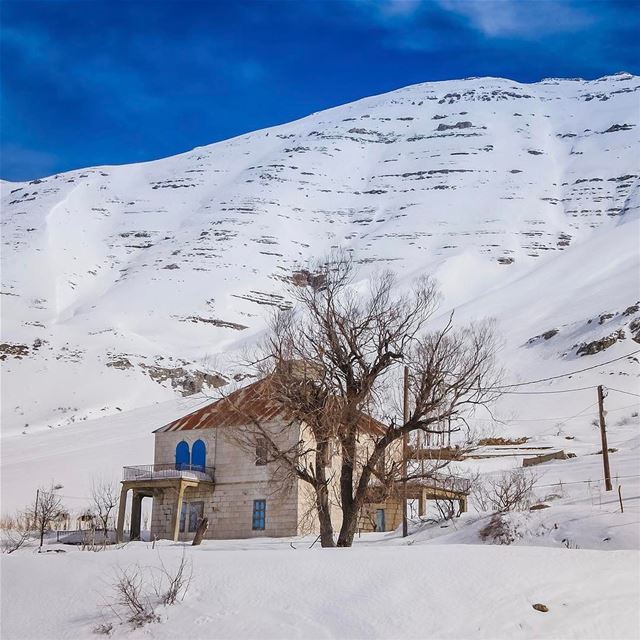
[[194, 511], [259, 514]]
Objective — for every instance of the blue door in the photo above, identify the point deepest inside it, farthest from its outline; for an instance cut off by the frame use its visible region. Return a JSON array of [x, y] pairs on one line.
[[182, 455], [380, 520], [199, 455]]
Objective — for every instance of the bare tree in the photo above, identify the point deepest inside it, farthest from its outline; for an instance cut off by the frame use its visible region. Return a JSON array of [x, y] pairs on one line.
[[46, 509], [510, 491], [14, 532], [104, 502], [330, 363]]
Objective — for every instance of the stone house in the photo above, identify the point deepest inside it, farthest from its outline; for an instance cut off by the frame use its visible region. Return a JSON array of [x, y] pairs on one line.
[[201, 470]]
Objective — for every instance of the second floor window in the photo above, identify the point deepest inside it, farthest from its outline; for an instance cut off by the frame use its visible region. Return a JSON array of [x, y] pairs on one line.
[[261, 452]]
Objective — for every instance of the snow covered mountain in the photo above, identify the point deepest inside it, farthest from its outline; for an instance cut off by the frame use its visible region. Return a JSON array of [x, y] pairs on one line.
[[127, 285]]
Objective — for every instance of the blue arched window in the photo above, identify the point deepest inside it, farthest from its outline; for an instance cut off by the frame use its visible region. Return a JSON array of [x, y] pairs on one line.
[[199, 455], [182, 455]]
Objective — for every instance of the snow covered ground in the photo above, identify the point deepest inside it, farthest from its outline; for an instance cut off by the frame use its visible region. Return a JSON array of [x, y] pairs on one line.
[[378, 589]]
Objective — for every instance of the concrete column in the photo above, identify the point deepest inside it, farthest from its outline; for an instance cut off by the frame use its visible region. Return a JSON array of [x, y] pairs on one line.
[[122, 508], [175, 521], [136, 515], [422, 503]]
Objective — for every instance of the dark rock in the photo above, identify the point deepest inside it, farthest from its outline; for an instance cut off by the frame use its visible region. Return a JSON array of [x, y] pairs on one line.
[[618, 127], [120, 362], [540, 607], [18, 351], [458, 125], [591, 348]]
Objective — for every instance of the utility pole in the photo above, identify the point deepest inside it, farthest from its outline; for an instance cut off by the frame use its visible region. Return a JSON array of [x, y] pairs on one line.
[[35, 510], [405, 442], [603, 436]]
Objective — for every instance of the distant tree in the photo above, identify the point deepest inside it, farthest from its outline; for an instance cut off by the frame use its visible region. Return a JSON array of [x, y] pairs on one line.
[[46, 509], [14, 532], [331, 360], [104, 501]]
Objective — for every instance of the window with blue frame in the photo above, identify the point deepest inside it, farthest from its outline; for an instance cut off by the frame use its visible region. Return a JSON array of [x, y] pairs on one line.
[[183, 458], [198, 455], [259, 514]]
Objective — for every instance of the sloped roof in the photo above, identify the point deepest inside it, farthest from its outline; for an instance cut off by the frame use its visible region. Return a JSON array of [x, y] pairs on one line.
[[253, 402]]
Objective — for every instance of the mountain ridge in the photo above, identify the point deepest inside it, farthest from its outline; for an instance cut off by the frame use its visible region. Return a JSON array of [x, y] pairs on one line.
[[144, 276]]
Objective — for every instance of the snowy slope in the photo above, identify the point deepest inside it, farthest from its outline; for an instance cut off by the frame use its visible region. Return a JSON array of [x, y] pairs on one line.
[[124, 286]]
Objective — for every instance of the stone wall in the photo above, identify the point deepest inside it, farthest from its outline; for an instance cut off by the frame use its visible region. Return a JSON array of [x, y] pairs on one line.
[[228, 503]]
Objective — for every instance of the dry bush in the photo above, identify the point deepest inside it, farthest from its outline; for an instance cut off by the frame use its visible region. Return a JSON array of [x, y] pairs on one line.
[[130, 595], [448, 509], [173, 585], [499, 530], [138, 591], [501, 442], [511, 491]]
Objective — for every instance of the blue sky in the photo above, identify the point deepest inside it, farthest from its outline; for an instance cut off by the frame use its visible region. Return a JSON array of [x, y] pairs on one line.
[[88, 82]]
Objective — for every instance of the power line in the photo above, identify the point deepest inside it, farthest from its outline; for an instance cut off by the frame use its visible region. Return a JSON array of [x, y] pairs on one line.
[[535, 393], [629, 393], [560, 482], [571, 373]]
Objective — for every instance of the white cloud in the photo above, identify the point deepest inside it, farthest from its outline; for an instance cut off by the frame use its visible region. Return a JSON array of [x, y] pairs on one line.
[[528, 18]]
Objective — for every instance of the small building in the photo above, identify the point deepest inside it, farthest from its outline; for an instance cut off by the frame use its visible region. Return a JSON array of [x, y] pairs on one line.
[[201, 470]]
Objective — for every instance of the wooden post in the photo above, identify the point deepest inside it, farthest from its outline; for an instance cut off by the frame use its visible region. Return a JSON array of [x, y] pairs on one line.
[[620, 498], [603, 437], [175, 525], [405, 417], [203, 525]]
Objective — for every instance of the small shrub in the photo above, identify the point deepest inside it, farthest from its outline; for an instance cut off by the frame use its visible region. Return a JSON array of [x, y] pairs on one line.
[[511, 491], [130, 595], [137, 595], [104, 628]]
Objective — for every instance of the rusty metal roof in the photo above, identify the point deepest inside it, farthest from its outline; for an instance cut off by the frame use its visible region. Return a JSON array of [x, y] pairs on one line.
[[255, 402]]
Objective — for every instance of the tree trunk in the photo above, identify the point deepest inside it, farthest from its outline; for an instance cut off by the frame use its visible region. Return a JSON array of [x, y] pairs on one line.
[[357, 495], [322, 497], [349, 526], [349, 511]]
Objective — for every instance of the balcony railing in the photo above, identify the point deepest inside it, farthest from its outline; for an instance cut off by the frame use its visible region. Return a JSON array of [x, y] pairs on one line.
[[168, 471]]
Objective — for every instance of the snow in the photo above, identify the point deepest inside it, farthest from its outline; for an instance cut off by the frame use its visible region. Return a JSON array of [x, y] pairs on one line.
[[266, 589]]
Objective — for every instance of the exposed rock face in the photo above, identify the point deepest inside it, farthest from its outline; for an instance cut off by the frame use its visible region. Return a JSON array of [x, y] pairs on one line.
[[185, 381], [591, 348], [547, 335], [120, 362], [13, 350]]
